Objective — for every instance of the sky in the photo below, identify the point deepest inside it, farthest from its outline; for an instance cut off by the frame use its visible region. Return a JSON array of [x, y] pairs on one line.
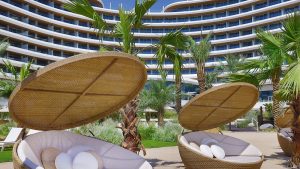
[[129, 4]]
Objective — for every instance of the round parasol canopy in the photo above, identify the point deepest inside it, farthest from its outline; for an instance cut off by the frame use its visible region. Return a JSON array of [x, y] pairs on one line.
[[218, 106], [77, 90]]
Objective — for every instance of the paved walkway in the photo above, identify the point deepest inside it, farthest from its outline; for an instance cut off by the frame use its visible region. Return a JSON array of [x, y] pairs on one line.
[[168, 158]]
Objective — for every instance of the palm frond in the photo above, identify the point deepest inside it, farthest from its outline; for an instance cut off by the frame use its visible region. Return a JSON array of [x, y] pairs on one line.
[[3, 46], [248, 78], [290, 84], [140, 10], [83, 7]]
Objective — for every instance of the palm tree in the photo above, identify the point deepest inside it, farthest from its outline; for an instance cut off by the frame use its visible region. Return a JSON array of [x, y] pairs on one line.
[[166, 49], [290, 85], [3, 46], [269, 66], [200, 53], [11, 81], [157, 96], [123, 30]]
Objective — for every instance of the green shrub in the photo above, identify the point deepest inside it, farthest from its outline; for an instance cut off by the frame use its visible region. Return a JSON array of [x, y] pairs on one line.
[[168, 133], [5, 128], [105, 130], [243, 124]]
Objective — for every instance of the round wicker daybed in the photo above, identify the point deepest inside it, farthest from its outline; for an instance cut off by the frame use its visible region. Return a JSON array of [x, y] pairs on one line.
[[70, 93], [284, 137], [211, 109]]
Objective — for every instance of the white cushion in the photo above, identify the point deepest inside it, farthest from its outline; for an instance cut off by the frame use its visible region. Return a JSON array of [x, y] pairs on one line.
[[63, 161], [73, 151], [217, 151], [85, 160], [99, 159], [242, 159], [209, 141], [205, 150]]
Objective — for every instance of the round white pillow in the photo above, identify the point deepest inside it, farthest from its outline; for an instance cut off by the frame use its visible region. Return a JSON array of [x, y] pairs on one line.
[[63, 161], [73, 151], [194, 144], [85, 160], [217, 151], [209, 141], [205, 150]]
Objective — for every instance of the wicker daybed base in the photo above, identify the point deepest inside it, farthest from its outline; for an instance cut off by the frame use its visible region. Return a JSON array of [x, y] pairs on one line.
[[285, 144], [195, 160]]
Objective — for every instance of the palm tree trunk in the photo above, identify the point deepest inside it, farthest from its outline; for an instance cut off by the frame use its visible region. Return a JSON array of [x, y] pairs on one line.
[[296, 131], [132, 139], [160, 117], [178, 93], [276, 104], [201, 76]]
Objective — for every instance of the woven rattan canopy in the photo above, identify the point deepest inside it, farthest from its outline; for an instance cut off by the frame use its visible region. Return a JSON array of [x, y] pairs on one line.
[[218, 106], [77, 90]]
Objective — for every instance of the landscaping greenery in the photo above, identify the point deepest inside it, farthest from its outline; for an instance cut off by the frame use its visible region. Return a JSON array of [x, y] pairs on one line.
[[156, 96]]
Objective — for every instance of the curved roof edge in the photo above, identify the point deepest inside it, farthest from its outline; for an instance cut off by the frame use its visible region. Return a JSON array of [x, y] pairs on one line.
[[175, 5]]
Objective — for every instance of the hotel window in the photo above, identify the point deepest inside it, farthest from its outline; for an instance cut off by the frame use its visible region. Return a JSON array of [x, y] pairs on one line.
[[42, 50], [43, 13], [209, 69], [67, 54], [233, 1], [234, 23], [195, 29], [70, 21], [156, 20], [82, 46], [273, 2], [218, 4], [83, 35], [58, 18], [249, 43], [31, 47], [233, 12], [69, 32], [32, 9], [170, 19], [249, 20], [260, 17], [223, 36], [257, 41], [247, 32], [260, 5], [15, 30], [93, 36], [275, 26], [31, 34], [57, 29], [219, 15], [15, 43], [246, 9], [109, 17], [205, 17], [289, 10], [145, 30], [274, 14], [42, 62], [196, 18], [207, 6], [221, 47], [94, 47], [68, 43], [154, 30], [208, 27], [182, 19], [57, 41], [222, 25], [233, 46], [56, 53], [82, 23]]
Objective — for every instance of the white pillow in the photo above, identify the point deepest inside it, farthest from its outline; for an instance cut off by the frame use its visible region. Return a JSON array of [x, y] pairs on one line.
[[217, 151], [85, 160], [73, 151], [209, 141], [205, 150], [63, 161], [99, 159]]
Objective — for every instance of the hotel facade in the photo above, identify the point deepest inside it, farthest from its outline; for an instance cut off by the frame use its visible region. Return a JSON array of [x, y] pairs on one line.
[[42, 31]]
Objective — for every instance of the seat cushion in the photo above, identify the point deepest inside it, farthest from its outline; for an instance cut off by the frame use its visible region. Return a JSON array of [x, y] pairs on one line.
[[242, 159], [48, 157]]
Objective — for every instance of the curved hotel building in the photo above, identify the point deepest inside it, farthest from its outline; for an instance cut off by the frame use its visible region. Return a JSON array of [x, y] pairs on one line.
[[43, 32]]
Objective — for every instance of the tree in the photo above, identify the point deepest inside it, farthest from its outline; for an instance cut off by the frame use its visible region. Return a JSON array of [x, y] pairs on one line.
[[157, 96], [289, 90], [14, 77], [123, 30], [9, 83], [269, 66], [200, 53], [167, 49]]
